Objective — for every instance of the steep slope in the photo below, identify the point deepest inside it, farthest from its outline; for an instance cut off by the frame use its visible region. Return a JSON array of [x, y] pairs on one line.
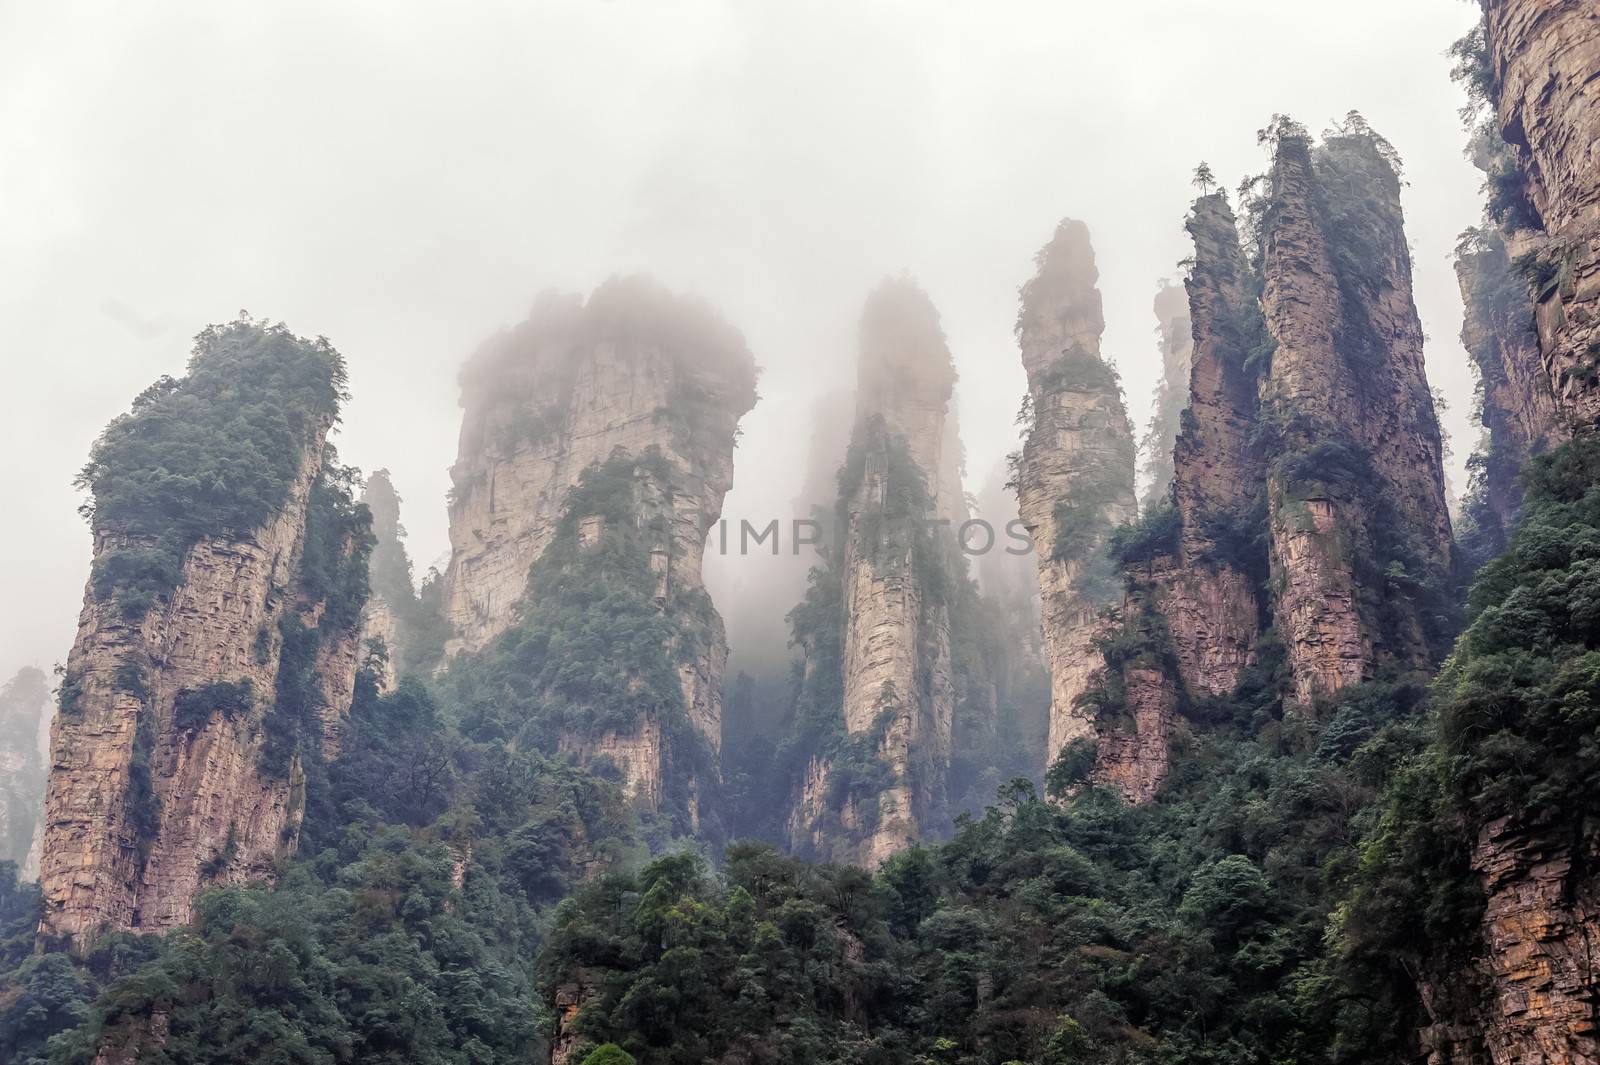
[[1176, 341], [1209, 594], [1543, 66], [214, 652], [1355, 493], [1076, 469], [396, 621], [1488, 843], [595, 454], [1517, 408], [24, 709], [886, 785], [633, 367]]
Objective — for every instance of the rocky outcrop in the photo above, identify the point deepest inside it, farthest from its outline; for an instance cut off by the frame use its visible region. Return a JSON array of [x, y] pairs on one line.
[[1518, 410], [1356, 487], [1134, 758], [883, 783], [570, 998], [897, 673], [1176, 335], [1544, 58], [1542, 909], [634, 375], [138, 804], [390, 616], [1209, 593], [633, 368], [1529, 997], [24, 710], [1076, 472], [176, 755]]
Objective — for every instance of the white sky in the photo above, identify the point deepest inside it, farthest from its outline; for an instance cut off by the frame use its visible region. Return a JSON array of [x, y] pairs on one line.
[[404, 177]]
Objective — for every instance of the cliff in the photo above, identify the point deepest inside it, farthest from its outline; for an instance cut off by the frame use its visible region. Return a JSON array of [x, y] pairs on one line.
[[879, 780], [1517, 409], [1076, 469], [24, 710], [1355, 492], [192, 694], [394, 622], [633, 367], [1175, 335], [1543, 60], [1210, 594], [598, 438], [1522, 988]]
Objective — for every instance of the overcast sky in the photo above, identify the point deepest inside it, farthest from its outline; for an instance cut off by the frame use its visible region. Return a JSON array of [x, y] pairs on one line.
[[404, 178]]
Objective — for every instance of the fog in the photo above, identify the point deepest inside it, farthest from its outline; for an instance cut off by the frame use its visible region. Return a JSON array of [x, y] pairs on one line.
[[404, 179]]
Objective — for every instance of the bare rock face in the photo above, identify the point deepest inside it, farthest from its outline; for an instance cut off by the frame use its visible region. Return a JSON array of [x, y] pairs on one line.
[[24, 710], [1519, 411], [141, 811], [897, 672], [634, 371], [561, 392], [897, 692], [1075, 480], [176, 755], [1543, 906], [1545, 58], [392, 613], [1134, 759], [1210, 599], [1176, 333], [1357, 468], [381, 627], [1530, 995]]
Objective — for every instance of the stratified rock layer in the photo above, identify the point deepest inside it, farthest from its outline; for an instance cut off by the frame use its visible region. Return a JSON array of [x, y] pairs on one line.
[[1530, 996], [898, 694], [1357, 471], [1545, 56], [1210, 598], [1075, 481], [144, 810]]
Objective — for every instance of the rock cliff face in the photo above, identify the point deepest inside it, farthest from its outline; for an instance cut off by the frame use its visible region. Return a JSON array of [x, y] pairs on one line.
[[1176, 336], [1356, 476], [24, 709], [632, 373], [1529, 995], [1075, 478], [559, 393], [885, 783], [1519, 413], [392, 597], [1544, 58], [176, 762], [1210, 596]]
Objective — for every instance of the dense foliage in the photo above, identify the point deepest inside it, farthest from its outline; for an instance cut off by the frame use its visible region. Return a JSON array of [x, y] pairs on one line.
[[406, 931], [594, 653], [1191, 930], [214, 452]]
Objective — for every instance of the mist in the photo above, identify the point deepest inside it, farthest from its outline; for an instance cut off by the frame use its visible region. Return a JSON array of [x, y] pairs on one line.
[[406, 179]]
